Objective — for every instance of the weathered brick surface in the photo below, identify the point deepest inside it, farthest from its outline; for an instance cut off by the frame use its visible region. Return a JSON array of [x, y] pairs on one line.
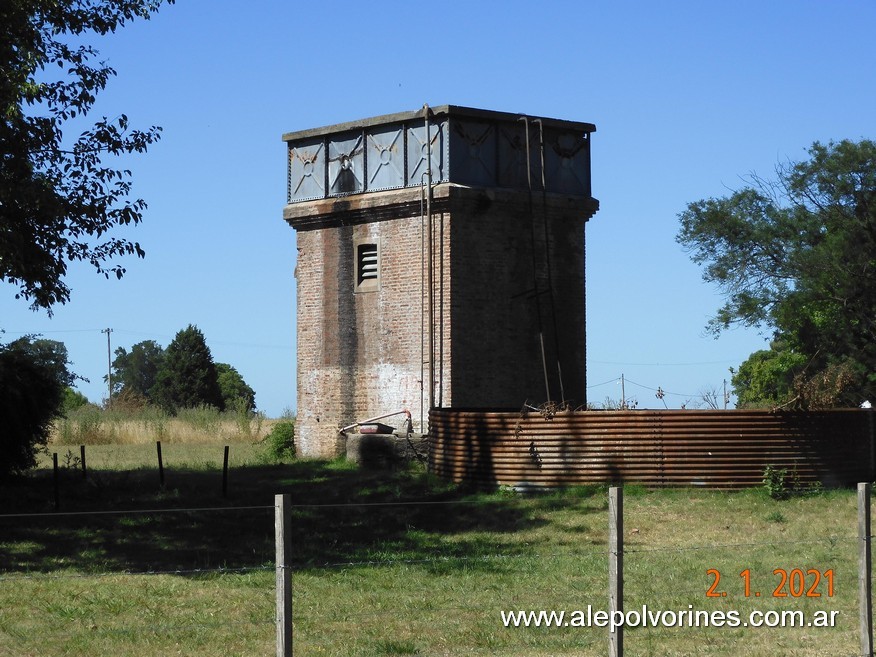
[[508, 285], [359, 354]]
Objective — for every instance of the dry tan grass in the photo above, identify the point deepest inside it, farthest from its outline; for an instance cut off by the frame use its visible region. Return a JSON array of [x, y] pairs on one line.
[[203, 426], [122, 458], [171, 431]]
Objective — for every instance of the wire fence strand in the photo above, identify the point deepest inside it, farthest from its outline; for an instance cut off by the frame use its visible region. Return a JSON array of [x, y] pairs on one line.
[[132, 512], [569, 586]]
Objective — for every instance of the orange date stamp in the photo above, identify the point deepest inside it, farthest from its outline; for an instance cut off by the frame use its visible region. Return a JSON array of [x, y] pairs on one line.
[[794, 583]]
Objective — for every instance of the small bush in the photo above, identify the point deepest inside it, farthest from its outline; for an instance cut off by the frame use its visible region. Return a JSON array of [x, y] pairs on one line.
[[775, 481], [780, 486], [280, 442]]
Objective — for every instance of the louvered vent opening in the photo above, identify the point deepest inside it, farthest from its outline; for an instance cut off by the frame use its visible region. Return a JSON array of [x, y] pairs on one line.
[[366, 263]]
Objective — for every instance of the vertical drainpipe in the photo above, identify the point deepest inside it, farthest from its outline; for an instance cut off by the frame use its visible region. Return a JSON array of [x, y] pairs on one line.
[[547, 386], [422, 304], [547, 256], [429, 264]]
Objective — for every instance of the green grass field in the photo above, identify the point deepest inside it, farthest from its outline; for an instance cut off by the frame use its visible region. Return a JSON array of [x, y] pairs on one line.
[[403, 565]]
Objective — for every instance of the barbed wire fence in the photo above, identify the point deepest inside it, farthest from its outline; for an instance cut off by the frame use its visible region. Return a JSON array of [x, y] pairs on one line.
[[304, 626]]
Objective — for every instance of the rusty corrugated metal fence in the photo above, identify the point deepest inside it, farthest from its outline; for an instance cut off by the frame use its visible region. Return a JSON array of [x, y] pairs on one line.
[[714, 449]]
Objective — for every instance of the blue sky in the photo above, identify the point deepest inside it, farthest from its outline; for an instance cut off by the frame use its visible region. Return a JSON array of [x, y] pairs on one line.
[[687, 97]]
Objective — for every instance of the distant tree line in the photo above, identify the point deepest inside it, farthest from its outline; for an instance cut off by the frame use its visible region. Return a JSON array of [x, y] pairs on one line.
[[36, 387], [181, 376]]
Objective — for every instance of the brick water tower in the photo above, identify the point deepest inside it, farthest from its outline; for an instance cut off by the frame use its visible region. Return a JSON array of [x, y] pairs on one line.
[[440, 263]]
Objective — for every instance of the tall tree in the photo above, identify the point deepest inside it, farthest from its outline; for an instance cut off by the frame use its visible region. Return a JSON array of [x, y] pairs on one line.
[[188, 376], [798, 255], [136, 371], [33, 379], [234, 389], [58, 198]]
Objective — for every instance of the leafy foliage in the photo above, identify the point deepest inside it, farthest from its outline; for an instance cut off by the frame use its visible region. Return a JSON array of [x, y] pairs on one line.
[[799, 256], [766, 378], [280, 442], [72, 400], [235, 391], [136, 376], [775, 482], [136, 372], [33, 381], [782, 485], [58, 199], [188, 376]]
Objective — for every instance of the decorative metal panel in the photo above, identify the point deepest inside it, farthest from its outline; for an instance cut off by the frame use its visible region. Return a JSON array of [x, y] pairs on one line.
[[470, 147], [473, 155], [512, 156], [384, 155], [306, 170], [346, 163], [418, 147], [566, 162]]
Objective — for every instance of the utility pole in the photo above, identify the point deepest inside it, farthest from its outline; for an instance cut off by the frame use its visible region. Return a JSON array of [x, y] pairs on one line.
[[109, 368], [623, 394], [726, 396]]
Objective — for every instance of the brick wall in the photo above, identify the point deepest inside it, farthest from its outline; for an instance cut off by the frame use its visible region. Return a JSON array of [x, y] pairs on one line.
[[515, 272], [359, 353]]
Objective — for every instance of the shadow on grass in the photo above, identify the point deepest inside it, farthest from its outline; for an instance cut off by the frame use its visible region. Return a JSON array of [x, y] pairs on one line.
[[341, 515]]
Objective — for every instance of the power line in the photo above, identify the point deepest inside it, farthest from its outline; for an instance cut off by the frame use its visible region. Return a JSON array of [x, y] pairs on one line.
[[665, 392], [163, 336], [604, 383], [690, 364], [126, 512], [659, 390], [94, 330]]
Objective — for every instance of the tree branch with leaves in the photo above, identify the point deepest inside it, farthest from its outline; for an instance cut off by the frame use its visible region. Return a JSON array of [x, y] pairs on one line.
[[798, 255], [59, 200]]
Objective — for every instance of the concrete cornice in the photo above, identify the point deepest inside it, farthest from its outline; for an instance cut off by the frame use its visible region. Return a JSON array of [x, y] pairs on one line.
[[446, 197]]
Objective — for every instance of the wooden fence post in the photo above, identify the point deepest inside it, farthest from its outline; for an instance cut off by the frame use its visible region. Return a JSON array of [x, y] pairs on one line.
[[55, 478], [282, 520], [82, 459], [225, 474], [615, 568], [160, 463], [865, 597]]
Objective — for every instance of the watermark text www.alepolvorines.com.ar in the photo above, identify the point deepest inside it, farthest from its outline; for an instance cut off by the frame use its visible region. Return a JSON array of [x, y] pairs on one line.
[[645, 617]]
